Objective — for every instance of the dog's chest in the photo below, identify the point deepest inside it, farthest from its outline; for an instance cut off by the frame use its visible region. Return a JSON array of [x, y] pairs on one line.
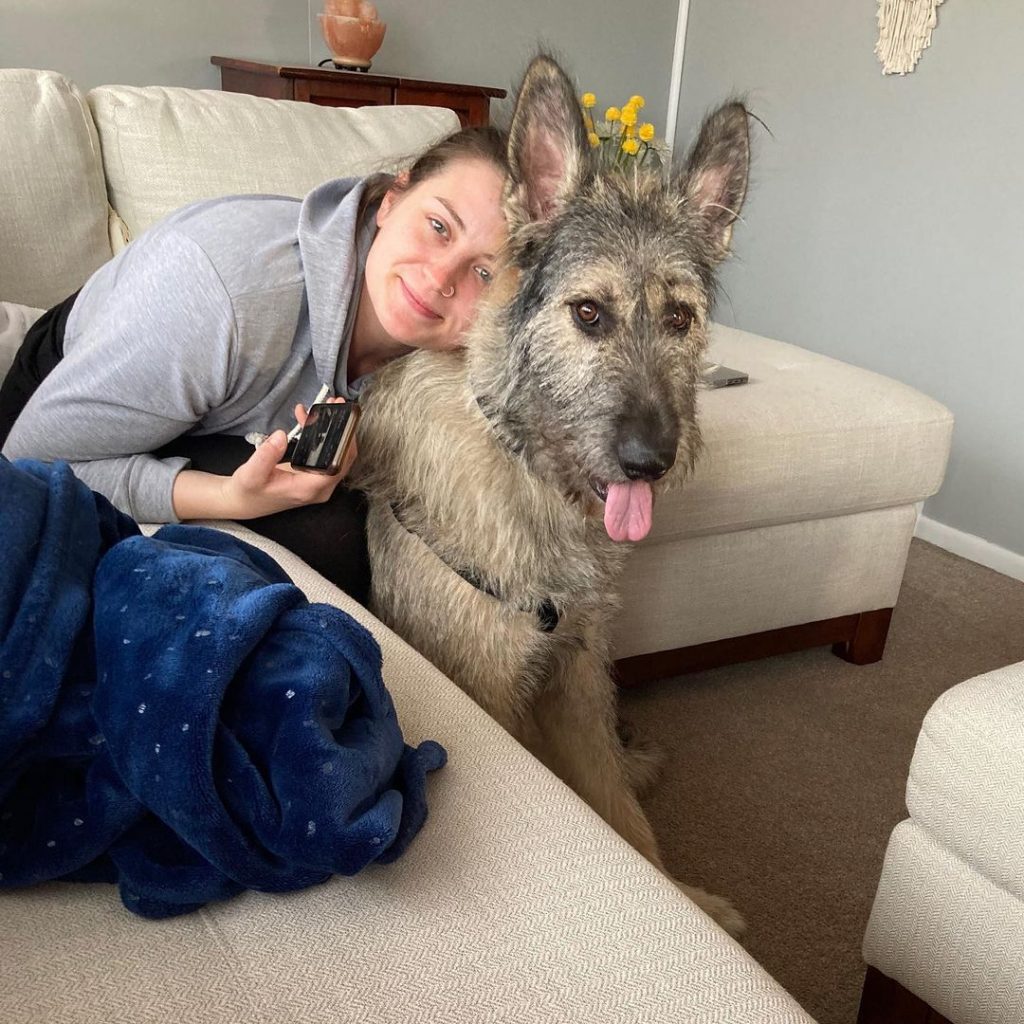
[[449, 479]]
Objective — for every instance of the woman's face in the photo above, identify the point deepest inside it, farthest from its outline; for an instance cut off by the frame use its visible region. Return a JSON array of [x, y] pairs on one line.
[[434, 254]]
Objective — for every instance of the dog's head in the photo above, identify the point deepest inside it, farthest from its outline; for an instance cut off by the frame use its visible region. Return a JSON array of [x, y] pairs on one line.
[[588, 361]]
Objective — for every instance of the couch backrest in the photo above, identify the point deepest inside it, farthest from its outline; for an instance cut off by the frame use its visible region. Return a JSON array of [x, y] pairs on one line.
[[151, 150], [166, 147], [53, 200]]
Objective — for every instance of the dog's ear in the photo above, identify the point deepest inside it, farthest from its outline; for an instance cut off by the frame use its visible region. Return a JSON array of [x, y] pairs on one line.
[[714, 179], [548, 148]]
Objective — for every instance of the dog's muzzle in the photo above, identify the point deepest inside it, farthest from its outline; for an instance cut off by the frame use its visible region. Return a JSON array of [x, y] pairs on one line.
[[645, 448], [646, 443]]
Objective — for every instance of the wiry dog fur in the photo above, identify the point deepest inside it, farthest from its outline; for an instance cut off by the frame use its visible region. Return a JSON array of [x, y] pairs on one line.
[[495, 460]]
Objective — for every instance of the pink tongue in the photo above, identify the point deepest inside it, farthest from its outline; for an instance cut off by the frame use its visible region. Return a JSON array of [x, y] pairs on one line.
[[627, 510]]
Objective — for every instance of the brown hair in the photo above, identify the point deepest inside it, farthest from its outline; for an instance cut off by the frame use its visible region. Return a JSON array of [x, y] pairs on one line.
[[480, 143]]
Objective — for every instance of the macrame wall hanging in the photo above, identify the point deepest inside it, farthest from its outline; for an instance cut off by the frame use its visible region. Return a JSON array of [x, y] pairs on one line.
[[904, 30]]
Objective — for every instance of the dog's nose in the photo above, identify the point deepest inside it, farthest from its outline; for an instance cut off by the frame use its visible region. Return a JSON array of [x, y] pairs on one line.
[[646, 448]]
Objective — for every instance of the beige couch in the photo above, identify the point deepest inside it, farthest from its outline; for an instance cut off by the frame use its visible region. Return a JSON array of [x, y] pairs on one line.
[[516, 903], [797, 522]]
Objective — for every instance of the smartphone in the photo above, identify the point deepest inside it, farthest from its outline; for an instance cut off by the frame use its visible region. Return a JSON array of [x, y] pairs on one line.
[[326, 437], [717, 376]]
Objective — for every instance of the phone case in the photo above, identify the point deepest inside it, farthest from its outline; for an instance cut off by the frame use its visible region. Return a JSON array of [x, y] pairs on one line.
[[325, 438]]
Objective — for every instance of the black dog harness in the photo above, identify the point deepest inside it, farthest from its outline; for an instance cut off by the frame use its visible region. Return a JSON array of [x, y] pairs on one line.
[[546, 612]]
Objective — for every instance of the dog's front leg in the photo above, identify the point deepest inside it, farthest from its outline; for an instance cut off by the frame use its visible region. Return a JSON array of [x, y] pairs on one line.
[[576, 716]]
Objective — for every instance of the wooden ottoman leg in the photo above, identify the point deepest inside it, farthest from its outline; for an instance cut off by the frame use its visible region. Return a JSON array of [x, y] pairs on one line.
[[867, 639], [884, 1001]]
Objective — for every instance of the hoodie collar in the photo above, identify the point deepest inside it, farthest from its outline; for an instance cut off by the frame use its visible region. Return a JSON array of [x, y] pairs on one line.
[[327, 247]]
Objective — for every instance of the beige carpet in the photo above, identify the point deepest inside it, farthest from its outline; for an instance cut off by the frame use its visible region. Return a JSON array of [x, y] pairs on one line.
[[784, 777]]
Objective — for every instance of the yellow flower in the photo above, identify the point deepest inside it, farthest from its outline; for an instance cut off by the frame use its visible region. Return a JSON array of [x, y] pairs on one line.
[[628, 115], [588, 100], [636, 101], [630, 146], [647, 131], [594, 138], [630, 131], [612, 114]]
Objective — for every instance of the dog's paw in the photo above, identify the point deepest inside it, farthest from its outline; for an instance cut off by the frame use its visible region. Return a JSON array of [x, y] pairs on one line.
[[718, 908]]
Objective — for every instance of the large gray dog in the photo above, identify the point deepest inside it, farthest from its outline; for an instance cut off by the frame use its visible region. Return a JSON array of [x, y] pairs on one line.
[[503, 479]]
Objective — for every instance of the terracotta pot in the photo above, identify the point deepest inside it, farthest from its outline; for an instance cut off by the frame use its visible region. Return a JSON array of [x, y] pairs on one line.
[[351, 9], [352, 41]]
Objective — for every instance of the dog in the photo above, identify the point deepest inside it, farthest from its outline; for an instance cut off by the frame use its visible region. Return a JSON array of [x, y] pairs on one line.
[[506, 481]]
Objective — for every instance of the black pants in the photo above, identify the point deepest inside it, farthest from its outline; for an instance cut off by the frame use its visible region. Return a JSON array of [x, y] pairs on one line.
[[330, 537], [40, 352]]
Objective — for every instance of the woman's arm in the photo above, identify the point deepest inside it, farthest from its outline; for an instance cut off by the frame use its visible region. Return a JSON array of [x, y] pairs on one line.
[[154, 350], [151, 352]]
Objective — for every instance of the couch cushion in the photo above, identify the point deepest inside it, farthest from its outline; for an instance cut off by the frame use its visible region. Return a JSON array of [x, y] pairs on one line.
[[15, 321], [53, 202], [166, 147], [515, 904], [807, 437], [966, 782]]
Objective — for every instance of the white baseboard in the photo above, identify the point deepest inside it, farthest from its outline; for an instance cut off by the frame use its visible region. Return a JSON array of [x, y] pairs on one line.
[[966, 545]]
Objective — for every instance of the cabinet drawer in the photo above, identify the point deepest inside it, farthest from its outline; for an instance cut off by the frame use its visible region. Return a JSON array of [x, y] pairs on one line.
[[472, 110], [343, 94]]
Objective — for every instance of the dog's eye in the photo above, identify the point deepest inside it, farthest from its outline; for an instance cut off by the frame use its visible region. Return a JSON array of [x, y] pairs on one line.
[[680, 319], [586, 314]]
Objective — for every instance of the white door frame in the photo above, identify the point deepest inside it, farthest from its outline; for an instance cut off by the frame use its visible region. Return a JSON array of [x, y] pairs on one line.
[[675, 83]]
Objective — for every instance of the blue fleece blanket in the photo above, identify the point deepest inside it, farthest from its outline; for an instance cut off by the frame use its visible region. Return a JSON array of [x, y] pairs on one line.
[[176, 717]]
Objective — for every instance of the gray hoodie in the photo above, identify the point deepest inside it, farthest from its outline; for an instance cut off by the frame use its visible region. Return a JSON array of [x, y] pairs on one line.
[[217, 320]]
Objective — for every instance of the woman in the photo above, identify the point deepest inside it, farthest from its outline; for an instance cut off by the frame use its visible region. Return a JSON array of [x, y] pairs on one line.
[[229, 316]]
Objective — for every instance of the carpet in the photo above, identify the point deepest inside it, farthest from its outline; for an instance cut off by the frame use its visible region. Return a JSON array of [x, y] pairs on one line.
[[783, 778]]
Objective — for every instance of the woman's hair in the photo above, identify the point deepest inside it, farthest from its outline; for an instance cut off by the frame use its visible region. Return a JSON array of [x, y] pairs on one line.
[[480, 143]]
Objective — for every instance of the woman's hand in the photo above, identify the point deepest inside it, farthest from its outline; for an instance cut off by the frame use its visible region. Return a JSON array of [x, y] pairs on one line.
[[261, 486], [264, 485]]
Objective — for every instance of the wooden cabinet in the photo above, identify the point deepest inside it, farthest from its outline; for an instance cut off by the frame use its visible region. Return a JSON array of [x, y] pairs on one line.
[[333, 88]]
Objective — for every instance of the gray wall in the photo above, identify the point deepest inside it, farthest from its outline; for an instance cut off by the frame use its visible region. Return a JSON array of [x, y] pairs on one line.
[[609, 51], [483, 42], [886, 226], [142, 42]]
